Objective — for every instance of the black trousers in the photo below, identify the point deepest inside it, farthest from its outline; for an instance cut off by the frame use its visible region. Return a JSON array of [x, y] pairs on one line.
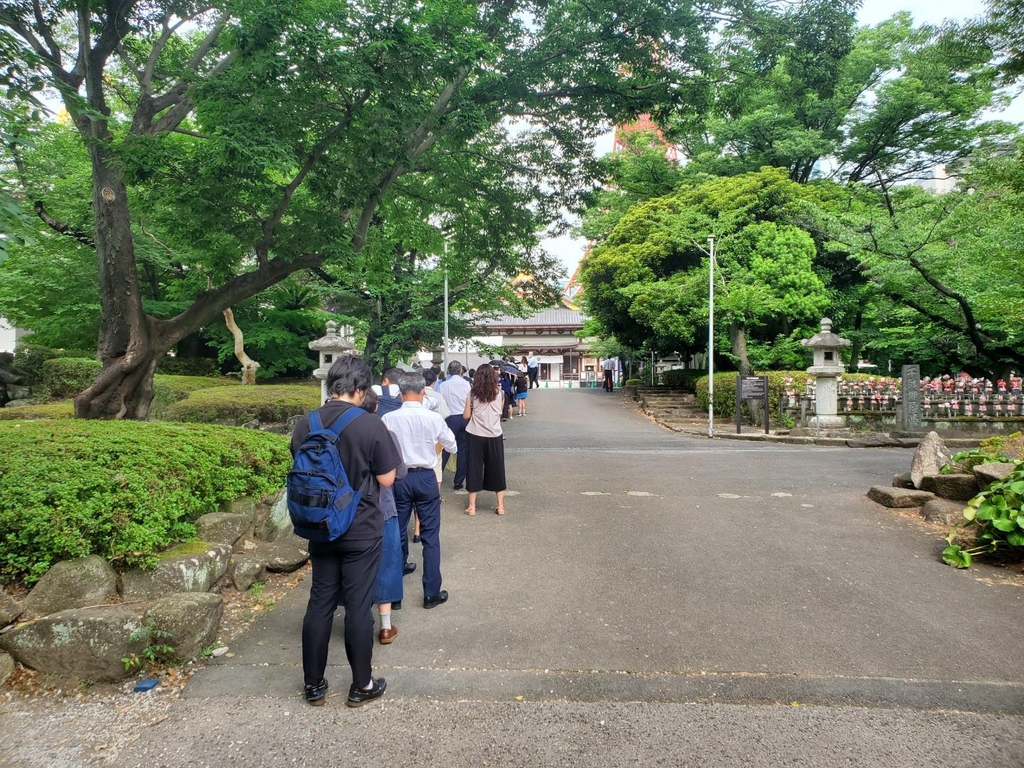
[[344, 572], [457, 425], [607, 381], [532, 373]]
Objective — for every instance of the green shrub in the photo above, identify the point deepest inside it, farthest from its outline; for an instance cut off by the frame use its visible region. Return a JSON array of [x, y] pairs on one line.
[[62, 410], [28, 363], [189, 366], [86, 354], [682, 378], [997, 514], [169, 389], [273, 403], [632, 383], [67, 376], [120, 489]]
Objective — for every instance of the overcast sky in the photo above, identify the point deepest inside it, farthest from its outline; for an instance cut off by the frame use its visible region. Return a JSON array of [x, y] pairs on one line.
[[570, 251]]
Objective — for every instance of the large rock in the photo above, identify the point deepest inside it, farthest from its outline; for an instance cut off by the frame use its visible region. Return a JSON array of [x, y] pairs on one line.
[[192, 567], [10, 609], [902, 481], [68, 584], [283, 556], [222, 527], [245, 570], [81, 643], [6, 667], [929, 458], [899, 498], [943, 511], [272, 520], [993, 472], [958, 487], [189, 618]]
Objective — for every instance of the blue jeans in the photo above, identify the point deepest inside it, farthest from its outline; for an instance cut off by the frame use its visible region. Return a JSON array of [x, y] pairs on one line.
[[389, 579], [419, 489]]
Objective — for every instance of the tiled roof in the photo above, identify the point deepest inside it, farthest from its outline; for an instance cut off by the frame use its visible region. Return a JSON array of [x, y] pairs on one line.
[[558, 316]]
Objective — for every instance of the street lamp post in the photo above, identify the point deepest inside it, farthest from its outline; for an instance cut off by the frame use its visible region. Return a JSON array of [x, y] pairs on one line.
[[711, 338]]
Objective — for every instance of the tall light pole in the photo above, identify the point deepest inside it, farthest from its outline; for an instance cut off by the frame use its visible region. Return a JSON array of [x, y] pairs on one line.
[[444, 363], [711, 337]]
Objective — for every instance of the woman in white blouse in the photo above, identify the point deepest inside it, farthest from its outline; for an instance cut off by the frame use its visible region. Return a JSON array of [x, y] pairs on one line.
[[485, 447]]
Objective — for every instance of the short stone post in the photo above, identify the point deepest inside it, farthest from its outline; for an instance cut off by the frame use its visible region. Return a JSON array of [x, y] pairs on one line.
[[331, 347], [910, 412], [827, 367]]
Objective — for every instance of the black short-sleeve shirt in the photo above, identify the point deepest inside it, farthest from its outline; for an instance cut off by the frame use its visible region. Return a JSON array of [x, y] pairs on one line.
[[366, 450]]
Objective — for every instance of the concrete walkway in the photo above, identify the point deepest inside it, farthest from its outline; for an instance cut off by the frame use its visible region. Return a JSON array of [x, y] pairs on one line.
[[649, 599]]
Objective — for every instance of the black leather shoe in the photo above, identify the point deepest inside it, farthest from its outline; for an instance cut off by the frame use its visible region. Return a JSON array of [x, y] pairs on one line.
[[357, 696], [409, 568], [436, 600], [456, 487], [316, 694], [415, 539], [396, 605]]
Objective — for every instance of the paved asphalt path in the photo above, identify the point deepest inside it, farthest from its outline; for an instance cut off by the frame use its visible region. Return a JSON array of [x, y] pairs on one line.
[[649, 599]]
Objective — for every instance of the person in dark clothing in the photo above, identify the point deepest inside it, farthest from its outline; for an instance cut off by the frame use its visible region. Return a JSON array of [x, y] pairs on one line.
[[345, 569]]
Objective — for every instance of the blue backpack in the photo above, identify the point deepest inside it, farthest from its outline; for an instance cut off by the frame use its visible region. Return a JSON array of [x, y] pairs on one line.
[[321, 502]]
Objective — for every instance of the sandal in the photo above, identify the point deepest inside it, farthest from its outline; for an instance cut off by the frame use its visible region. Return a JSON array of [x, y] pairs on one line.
[[499, 511], [470, 511]]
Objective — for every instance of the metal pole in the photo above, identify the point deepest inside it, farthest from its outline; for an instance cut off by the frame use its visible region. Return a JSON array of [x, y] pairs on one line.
[[711, 338], [445, 361]]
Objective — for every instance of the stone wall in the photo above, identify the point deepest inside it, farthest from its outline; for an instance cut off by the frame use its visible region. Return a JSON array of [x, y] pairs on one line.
[[82, 619]]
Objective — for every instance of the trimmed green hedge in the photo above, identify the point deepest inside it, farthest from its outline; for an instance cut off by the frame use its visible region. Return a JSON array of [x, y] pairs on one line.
[[62, 410], [725, 389], [189, 366], [120, 489], [65, 377], [269, 403], [168, 389]]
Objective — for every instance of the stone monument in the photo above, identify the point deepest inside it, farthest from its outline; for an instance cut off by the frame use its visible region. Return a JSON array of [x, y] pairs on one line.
[[331, 347], [827, 367]]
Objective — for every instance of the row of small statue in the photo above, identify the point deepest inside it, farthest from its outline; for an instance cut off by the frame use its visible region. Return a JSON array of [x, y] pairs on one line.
[[963, 384]]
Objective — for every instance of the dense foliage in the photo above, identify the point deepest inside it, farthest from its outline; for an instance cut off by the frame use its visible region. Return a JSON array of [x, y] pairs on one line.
[[995, 517], [121, 490], [267, 403]]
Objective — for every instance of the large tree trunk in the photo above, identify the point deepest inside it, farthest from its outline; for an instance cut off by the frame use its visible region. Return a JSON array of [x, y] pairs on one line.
[[124, 387], [738, 340]]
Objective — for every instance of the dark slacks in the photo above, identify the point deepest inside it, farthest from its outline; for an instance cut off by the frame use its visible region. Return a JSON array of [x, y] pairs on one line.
[[607, 381], [344, 572], [419, 489], [457, 425], [532, 373]]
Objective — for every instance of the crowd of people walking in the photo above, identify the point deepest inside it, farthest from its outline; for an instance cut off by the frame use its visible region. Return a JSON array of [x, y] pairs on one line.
[[395, 461]]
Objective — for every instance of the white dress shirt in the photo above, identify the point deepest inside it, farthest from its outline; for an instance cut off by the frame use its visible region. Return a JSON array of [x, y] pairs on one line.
[[419, 430], [434, 402], [455, 391]]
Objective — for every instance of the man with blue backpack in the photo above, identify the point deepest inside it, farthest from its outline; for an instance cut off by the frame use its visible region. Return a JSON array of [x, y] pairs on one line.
[[342, 456]]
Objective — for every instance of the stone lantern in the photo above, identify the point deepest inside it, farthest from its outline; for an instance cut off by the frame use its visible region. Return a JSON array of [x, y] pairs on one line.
[[331, 347], [827, 368]]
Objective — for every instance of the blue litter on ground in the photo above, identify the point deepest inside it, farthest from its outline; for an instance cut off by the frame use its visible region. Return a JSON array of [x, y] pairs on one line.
[[146, 685]]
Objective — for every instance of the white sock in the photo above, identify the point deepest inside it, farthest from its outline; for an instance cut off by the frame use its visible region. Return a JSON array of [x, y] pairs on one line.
[[385, 620]]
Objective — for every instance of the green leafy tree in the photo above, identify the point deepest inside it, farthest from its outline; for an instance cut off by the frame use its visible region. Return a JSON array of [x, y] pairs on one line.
[[649, 279], [297, 119]]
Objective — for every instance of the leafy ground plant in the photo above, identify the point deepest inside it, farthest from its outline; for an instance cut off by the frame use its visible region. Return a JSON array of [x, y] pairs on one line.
[[157, 647], [997, 515]]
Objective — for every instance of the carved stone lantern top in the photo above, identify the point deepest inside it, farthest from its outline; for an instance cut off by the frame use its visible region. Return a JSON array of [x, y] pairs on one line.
[[826, 346]]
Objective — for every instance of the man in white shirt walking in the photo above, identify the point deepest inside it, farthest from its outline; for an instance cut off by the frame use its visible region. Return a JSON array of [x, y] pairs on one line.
[[609, 367], [532, 369], [419, 430]]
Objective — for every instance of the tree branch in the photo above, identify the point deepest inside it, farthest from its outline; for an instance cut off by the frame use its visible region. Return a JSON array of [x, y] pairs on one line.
[[62, 227]]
